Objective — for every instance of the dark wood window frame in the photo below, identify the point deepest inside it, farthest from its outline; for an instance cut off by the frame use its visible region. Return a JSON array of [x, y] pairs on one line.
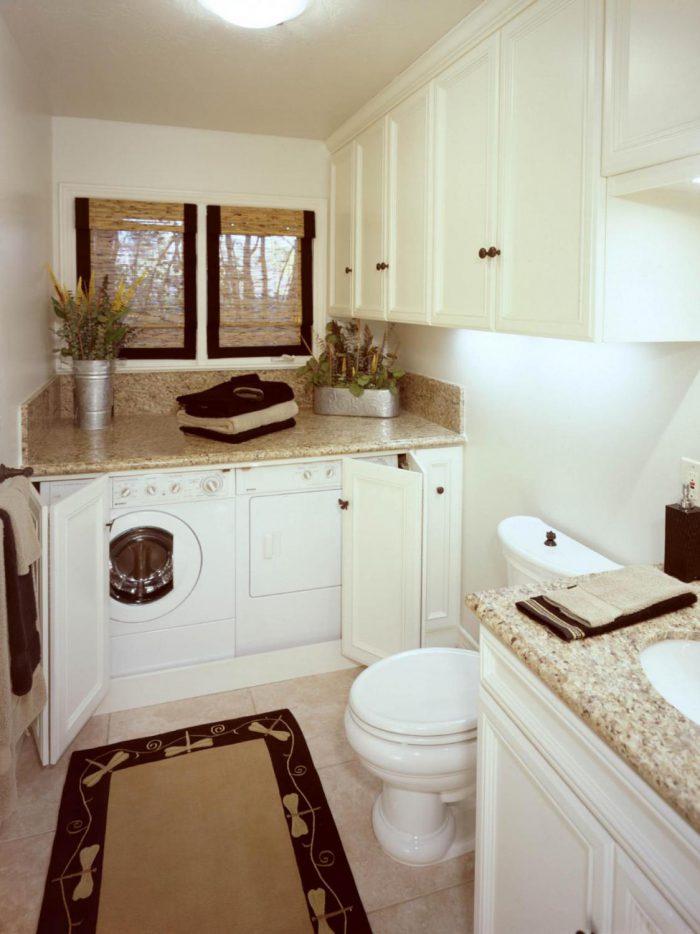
[[188, 350], [214, 348]]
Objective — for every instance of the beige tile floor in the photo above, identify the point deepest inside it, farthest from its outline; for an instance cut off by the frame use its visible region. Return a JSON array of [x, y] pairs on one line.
[[398, 899]]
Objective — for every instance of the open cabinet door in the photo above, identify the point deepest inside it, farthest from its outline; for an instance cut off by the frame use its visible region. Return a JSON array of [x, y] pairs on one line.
[[79, 611], [40, 572], [381, 575]]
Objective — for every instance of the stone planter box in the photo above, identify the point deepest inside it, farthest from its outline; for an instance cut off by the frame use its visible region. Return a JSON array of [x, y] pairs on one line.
[[378, 403]]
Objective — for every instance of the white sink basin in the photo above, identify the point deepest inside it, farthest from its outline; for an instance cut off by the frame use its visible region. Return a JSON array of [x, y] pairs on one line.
[[673, 667]]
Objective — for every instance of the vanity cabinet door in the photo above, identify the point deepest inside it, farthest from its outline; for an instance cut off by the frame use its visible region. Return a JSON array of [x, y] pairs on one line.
[[79, 611], [543, 862], [638, 905], [370, 233], [342, 232], [652, 73], [550, 191], [381, 563]]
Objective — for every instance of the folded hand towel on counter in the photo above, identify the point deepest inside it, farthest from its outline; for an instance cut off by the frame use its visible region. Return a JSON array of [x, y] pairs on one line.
[[237, 396], [239, 423], [241, 436], [609, 601]]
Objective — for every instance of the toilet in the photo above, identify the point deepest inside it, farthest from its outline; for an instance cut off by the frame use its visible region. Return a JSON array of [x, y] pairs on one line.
[[411, 717]]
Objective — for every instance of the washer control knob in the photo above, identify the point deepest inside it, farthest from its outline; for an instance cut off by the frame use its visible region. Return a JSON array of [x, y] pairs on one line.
[[307, 475], [126, 491], [151, 489], [211, 485], [330, 473], [176, 487]]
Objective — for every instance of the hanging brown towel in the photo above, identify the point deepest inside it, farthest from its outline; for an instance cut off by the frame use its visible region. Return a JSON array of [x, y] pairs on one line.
[[23, 636]]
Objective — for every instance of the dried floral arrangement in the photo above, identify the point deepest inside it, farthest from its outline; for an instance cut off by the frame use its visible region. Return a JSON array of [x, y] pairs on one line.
[[351, 360], [92, 325]]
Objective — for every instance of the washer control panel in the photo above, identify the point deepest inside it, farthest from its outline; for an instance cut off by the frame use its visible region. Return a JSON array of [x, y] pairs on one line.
[[171, 488], [319, 475]]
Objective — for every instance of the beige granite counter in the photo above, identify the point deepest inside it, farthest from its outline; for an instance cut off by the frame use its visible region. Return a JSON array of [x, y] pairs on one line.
[[602, 681], [149, 442]]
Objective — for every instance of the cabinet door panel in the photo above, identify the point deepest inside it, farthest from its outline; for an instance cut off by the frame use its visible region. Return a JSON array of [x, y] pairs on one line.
[[408, 209], [465, 141], [542, 858], [342, 231], [652, 108], [79, 546], [550, 190], [639, 908], [369, 223], [381, 564]]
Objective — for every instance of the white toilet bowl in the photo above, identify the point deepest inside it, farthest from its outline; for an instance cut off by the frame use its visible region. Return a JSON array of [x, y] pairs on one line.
[[411, 719]]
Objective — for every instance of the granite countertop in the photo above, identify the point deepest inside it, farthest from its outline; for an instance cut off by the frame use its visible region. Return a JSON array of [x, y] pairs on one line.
[[152, 442], [602, 681]]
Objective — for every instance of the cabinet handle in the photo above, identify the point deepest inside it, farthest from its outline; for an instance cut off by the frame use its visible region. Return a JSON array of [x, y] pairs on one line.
[[440, 490], [381, 266], [347, 270], [492, 251], [343, 503]]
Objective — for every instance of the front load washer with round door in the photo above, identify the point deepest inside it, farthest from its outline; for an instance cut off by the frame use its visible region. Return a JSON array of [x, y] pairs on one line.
[[171, 574]]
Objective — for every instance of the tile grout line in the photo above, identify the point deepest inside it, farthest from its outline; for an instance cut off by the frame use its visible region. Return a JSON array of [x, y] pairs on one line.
[[418, 898]]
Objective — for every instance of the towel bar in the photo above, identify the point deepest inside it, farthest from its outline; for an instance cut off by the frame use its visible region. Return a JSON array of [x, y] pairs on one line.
[[7, 472]]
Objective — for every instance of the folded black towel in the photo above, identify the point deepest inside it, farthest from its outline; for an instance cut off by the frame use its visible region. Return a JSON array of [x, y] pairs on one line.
[[236, 396], [242, 435], [23, 637], [570, 628]]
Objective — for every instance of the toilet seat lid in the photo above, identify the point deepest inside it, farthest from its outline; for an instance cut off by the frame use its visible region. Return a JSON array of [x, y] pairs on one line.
[[424, 692]]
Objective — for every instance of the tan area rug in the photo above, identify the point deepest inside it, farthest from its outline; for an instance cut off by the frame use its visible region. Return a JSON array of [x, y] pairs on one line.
[[217, 828]]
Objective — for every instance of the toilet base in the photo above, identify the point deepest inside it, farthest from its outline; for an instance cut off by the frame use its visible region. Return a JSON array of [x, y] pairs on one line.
[[420, 829]]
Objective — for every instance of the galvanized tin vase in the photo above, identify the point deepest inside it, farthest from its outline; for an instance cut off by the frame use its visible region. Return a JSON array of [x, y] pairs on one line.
[[378, 403], [93, 397]]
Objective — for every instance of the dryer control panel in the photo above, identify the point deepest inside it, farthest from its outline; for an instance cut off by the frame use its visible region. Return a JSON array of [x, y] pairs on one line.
[[161, 488]]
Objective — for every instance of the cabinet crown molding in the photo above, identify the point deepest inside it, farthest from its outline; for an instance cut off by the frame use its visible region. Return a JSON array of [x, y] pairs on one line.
[[485, 19]]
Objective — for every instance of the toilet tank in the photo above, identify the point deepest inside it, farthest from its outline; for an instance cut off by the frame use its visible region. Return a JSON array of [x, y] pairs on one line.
[[529, 560]]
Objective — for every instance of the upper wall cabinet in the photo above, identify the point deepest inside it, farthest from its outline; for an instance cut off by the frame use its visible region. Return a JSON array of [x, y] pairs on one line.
[[652, 76], [391, 230], [550, 191], [340, 280], [465, 105]]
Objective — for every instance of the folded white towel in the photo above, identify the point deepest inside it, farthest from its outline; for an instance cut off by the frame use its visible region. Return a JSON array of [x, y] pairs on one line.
[[238, 423], [604, 597]]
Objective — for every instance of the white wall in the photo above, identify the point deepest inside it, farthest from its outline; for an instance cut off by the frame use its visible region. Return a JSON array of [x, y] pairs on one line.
[[25, 241], [587, 436], [98, 157]]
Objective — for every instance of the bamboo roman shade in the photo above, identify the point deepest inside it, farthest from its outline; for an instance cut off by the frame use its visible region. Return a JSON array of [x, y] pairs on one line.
[[124, 239], [259, 281]]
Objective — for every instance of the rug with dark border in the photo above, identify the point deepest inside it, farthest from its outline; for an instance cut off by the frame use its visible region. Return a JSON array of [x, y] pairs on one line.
[[81, 849]]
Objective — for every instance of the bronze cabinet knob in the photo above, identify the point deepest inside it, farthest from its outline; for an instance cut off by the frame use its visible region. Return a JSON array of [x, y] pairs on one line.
[[440, 490], [347, 270], [381, 266], [492, 251]]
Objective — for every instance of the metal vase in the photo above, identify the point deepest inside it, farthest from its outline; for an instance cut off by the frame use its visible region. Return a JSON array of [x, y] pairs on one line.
[[93, 396], [377, 403]]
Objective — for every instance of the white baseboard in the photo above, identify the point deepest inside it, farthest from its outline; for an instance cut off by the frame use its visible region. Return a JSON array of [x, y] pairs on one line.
[[160, 687]]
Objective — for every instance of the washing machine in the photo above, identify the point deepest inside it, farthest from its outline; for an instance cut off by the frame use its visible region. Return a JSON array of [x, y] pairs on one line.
[[171, 570]]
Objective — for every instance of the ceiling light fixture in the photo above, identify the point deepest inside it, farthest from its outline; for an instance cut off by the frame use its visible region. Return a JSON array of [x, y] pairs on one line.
[[256, 14]]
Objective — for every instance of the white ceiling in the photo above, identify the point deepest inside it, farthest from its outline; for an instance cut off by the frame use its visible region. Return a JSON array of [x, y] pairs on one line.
[[171, 62]]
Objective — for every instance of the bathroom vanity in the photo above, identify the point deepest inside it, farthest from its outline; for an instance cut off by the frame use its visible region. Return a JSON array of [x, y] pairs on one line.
[[588, 800]]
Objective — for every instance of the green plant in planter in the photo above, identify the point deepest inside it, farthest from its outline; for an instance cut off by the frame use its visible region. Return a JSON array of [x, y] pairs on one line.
[[351, 360], [92, 325]]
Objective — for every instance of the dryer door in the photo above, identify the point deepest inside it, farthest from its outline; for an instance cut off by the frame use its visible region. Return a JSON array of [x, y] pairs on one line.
[[154, 563]]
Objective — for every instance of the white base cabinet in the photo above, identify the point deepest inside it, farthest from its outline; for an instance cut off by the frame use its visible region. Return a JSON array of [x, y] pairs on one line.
[[568, 838], [400, 584]]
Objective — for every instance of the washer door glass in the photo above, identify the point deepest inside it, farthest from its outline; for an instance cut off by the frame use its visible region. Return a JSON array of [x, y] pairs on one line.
[[141, 565]]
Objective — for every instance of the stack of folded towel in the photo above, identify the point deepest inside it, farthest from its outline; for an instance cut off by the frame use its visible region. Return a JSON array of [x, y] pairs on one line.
[[244, 407], [608, 601]]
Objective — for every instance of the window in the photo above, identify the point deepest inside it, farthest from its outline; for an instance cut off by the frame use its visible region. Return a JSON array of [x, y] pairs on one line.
[[259, 281], [122, 240]]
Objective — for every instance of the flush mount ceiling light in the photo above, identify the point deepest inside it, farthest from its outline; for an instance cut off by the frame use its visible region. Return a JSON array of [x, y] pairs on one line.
[[256, 14]]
